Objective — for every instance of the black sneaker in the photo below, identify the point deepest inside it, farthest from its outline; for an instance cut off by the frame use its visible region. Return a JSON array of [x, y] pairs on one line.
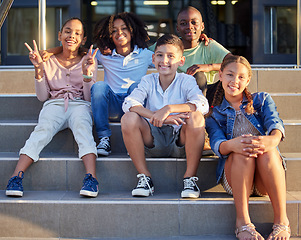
[[14, 187], [145, 186], [191, 190], [104, 146]]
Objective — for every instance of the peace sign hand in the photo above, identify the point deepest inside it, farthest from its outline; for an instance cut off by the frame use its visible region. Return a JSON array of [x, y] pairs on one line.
[[89, 61], [34, 55]]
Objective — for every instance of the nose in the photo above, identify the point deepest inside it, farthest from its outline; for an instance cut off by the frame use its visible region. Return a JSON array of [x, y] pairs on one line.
[[165, 58]]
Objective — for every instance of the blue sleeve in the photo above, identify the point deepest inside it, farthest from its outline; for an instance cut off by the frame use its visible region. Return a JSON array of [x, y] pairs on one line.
[[269, 114], [216, 135]]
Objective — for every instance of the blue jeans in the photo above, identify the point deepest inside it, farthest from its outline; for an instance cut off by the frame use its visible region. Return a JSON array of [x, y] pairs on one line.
[[106, 106]]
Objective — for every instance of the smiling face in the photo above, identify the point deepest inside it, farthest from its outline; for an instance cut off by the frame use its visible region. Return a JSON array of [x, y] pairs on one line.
[[190, 25], [167, 58], [72, 35], [121, 35], [235, 77]]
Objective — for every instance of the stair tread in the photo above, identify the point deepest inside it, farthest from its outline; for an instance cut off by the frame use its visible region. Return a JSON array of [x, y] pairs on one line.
[[212, 196]]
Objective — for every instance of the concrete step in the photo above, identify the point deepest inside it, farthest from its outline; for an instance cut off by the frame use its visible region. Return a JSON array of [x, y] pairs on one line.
[[116, 173], [275, 80], [17, 132], [62, 214], [27, 107]]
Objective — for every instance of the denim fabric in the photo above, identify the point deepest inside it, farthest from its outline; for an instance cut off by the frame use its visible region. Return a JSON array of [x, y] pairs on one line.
[[106, 106], [220, 124]]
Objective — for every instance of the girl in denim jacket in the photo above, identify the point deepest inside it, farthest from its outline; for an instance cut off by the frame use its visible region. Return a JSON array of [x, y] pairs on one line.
[[244, 131]]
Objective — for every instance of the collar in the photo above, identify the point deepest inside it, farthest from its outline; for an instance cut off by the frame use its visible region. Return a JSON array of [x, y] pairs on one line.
[[158, 82], [135, 51], [225, 104]]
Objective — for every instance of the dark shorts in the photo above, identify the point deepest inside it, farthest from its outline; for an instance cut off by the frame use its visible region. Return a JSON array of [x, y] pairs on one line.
[[165, 143]]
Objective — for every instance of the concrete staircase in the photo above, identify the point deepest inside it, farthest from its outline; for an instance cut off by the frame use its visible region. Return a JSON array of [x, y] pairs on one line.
[[52, 208]]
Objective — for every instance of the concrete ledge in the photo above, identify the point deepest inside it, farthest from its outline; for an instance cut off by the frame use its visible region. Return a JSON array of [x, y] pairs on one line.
[[66, 215]]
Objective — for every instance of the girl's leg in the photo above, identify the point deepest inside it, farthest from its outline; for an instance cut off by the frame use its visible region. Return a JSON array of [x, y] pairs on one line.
[[22, 165], [271, 179], [136, 133], [80, 122], [192, 135], [239, 172], [51, 120], [90, 163]]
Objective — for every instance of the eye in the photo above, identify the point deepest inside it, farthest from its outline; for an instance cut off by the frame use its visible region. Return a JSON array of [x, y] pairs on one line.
[[183, 23], [124, 29], [171, 56], [195, 23], [114, 31], [230, 74]]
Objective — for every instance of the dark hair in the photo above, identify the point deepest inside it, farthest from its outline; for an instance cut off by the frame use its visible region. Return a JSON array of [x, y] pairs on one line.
[[170, 39], [185, 9], [102, 34], [219, 93], [82, 50], [75, 18]]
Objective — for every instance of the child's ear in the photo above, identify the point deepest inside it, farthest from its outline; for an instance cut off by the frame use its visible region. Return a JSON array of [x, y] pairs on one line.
[[84, 41], [182, 61], [59, 36], [153, 58], [220, 74]]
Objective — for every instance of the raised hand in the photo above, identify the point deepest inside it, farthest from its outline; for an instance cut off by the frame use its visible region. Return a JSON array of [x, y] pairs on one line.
[[34, 55], [89, 61], [205, 38]]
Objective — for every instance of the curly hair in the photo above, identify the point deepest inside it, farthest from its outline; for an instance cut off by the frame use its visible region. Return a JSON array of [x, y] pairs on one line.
[[220, 93], [102, 35]]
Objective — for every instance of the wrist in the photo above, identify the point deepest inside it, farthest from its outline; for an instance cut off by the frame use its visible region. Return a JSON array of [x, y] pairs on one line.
[[88, 77]]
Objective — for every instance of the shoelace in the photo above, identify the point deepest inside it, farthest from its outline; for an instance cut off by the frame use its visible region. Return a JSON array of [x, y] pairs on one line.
[[104, 142], [88, 180], [143, 181], [16, 180], [190, 183]]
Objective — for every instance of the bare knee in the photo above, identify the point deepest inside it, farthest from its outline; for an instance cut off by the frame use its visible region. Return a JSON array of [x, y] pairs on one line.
[[242, 161], [196, 119], [129, 121]]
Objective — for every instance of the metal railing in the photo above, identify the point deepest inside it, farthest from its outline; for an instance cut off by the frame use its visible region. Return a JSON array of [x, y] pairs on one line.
[[42, 24], [4, 9]]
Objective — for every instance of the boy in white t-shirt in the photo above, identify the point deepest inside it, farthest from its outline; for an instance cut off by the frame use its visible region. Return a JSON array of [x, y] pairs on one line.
[[171, 124]]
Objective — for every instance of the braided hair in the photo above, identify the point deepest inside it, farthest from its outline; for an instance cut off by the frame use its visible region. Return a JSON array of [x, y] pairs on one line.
[[220, 93], [103, 30]]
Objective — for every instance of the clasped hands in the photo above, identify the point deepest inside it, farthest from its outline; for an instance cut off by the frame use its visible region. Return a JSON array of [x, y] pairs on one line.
[[163, 116], [250, 145]]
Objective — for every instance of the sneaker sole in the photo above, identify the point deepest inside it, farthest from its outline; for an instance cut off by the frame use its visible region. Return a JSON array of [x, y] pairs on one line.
[[103, 153], [86, 193], [14, 193], [186, 194], [142, 192]]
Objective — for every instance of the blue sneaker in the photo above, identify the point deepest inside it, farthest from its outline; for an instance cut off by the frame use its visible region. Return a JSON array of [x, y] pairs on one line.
[[90, 187], [14, 187]]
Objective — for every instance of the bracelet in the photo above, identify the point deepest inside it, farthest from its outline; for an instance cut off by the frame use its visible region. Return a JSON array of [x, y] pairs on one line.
[[88, 76]]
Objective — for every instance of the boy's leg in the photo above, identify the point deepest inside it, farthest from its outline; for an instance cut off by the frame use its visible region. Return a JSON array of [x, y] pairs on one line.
[[239, 171], [270, 177], [100, 108], [136, 134], [201, 81], [192, 135]]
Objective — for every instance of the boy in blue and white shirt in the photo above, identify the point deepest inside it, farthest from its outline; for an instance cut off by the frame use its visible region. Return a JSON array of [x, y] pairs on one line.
[[171, 124]]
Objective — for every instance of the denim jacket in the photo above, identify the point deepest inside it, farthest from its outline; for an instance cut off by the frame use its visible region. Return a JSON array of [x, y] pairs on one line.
[[220, 124]]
